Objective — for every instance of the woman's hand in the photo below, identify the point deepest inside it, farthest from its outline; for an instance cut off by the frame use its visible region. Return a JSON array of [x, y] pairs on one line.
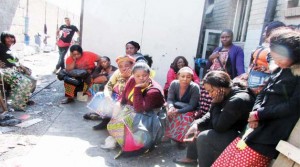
[[252, 116], [172, 112], [253, 120], [213, 56], [193, 131], [127, 73], [219, 97], [253, 124], [143, 85], [2, 64]]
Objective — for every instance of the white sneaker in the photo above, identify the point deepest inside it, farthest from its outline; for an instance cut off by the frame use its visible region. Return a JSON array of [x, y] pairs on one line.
[[110, 143]]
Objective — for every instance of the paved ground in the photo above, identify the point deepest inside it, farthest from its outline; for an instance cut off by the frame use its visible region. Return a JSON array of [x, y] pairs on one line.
[[64, 138]]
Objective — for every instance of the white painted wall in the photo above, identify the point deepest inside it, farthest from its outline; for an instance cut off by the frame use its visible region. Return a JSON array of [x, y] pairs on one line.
[[164, 28]]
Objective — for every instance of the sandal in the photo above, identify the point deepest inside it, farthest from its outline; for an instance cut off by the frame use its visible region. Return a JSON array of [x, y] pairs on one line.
[[91, 116], [67, 100], [185, 161]]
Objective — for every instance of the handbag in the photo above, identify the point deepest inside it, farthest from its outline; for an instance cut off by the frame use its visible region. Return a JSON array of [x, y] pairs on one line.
[[77, 73], [101, 105], [257, 78], [61, 74], [72, 81]]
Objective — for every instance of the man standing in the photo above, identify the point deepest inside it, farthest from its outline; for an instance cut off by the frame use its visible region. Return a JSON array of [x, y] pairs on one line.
[[64, 42]]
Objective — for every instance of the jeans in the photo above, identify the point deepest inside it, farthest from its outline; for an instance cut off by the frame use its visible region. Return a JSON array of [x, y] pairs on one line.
[[61, 61], [209, 145]]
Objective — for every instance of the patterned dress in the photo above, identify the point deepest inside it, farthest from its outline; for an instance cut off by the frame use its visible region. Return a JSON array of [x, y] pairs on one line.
[[20, 87], [177, 126]]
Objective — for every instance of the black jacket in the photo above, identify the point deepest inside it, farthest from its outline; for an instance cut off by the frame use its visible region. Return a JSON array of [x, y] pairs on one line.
[[231, 114], [5, 56], [278, 107]]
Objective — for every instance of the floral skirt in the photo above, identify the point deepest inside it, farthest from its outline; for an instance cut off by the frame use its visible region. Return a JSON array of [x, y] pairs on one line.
[[71, 90], [235, 157], [178, 126], [118, 122], [20, 88], [134, 131]]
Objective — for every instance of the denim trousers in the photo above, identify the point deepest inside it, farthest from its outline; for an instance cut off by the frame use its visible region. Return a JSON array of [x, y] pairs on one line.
[[61, 60]]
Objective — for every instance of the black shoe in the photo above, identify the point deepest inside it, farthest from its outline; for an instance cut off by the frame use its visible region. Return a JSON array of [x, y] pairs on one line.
[[185, 161], [91, 116], [181, 146], [102, 125]]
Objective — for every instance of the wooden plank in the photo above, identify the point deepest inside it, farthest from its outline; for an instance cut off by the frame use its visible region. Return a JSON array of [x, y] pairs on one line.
[[290, 151], [295, 135], [29, 123], [283, 161]]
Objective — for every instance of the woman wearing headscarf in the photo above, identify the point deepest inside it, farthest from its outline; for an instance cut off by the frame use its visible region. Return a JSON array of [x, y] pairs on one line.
[[142, 96], [115, 86], [178, 63], [182, 101]]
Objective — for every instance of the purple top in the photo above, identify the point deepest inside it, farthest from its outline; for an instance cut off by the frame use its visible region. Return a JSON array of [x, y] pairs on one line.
[[236, 55]]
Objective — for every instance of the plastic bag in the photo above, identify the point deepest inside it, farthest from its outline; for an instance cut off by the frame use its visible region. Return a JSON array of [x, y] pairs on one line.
[[101, 105]]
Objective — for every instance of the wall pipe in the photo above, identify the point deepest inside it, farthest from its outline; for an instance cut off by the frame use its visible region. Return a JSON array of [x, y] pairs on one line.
[[270, 14]]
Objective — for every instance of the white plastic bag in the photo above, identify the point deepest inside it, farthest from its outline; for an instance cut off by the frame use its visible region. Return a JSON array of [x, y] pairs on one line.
[[101, 105]]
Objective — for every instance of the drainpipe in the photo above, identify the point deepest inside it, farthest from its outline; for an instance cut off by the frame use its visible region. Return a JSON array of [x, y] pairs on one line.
[[26, 36], [81, 22], [270, 14]]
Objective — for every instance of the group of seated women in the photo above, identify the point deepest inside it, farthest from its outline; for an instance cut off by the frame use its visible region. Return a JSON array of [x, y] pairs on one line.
[[240, 122]]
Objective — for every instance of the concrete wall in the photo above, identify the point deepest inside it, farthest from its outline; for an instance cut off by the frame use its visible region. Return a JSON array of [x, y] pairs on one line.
[[164, 29], [13, 13], [223, 15], [257, 15], [282, 13], [12, 17]]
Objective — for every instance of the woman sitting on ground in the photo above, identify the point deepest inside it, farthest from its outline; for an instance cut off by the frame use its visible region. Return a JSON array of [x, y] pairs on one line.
[[224, 121], [14, 75], [141, 97], [84, 62], [276, 108], [177, 64], [132, 49], [101, 75], [182, 101], [115, 86]]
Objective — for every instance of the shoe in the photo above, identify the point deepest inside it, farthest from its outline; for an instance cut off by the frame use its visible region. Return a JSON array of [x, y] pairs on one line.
[[110, 143], [181, 145], [102, 125], [67, 100], [10, 122], [185, 161], [92, 116]]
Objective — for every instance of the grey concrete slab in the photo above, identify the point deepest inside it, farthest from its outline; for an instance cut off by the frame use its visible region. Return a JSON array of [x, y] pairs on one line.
[[70, 141]]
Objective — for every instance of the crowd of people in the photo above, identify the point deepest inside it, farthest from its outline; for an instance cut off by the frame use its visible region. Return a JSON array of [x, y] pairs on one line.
[[226, 119]]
